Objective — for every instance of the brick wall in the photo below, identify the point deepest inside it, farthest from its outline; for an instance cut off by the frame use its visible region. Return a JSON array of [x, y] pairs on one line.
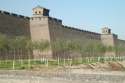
[[14, 25], [61, 32]]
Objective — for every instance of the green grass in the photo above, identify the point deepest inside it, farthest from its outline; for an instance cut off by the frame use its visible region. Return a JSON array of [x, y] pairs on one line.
[[29, 64]]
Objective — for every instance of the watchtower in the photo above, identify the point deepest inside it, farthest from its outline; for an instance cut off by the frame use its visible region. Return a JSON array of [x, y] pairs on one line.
[[40, 11], [108, 39], [106, 30], [39, 28]]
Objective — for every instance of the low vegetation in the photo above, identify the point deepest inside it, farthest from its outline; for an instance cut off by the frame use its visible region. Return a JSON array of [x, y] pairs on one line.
[[26, 64]]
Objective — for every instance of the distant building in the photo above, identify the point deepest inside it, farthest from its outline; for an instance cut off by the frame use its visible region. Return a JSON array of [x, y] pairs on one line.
[[42, 26]]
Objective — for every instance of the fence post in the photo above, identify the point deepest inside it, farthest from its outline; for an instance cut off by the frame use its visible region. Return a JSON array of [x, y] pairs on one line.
[[21, 62], [13, 64], [58, 61], [0, 62], [47, 63], [64, 63], [87, 60], [70, 62], [29, 63], [98, 59]]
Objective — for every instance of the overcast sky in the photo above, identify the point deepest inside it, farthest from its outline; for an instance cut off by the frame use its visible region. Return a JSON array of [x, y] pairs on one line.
[[84, 14]]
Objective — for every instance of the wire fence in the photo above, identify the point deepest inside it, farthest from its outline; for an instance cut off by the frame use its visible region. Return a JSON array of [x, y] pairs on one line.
[[21, 64]]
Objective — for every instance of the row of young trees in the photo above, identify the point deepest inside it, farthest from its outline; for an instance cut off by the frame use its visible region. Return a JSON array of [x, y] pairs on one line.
[[22, 47], [89, 49]]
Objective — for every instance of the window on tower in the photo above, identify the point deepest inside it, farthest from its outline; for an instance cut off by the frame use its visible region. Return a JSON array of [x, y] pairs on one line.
[[39, 12]]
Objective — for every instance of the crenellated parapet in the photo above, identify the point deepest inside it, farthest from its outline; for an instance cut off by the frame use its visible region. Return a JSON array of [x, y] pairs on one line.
[[87, 34], [13, 14], [55, 20], [73, 28], [44, 18]]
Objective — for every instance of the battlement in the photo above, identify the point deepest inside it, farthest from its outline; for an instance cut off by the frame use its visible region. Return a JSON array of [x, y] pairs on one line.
[[39, 18], [55, 20], [121, 40], [51, 19], [13, 14], [72, 28]]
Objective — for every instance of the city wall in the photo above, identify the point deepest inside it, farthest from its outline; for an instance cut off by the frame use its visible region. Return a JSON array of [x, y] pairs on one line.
[[14, 25], [121, 47], [44, 27], [60, 32]]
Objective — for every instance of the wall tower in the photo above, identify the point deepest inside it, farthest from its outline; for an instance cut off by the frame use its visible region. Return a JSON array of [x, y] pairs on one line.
[[39, 28], [108, 39]]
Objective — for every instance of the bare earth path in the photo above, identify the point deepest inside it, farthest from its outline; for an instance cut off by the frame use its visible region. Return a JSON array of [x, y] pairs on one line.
[[75, 76]]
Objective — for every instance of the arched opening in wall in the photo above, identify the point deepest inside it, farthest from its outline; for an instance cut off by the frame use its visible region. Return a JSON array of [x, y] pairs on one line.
[[39, 12], [36, 12]]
